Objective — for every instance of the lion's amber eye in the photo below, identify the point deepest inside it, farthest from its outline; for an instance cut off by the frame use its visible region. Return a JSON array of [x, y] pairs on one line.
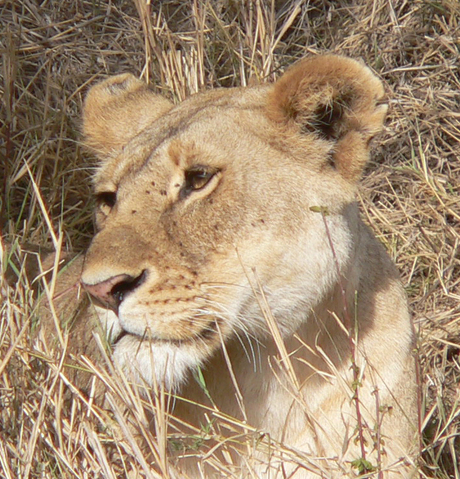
[[106, 199], [196, 179]]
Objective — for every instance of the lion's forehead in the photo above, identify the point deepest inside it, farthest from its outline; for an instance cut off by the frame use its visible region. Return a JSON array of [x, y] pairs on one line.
[[209, 126], [206, 132]]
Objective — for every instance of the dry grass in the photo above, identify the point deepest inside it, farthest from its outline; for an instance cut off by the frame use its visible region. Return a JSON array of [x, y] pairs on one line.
[[51, 52]]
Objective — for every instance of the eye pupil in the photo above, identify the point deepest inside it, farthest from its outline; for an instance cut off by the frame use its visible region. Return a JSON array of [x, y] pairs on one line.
[[196, 179]]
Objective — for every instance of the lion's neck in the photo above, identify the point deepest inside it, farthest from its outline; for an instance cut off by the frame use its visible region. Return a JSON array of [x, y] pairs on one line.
[[256, 371]]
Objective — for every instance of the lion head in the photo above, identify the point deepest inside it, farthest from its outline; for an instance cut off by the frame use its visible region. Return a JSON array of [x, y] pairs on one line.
[[210, 207]]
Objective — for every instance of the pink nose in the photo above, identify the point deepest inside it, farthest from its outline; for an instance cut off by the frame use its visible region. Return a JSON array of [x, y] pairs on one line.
[[112, 291]]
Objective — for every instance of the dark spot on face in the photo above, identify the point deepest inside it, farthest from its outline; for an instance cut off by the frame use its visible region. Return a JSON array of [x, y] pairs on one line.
[[163, 193], [133, 212], [153, 183], [211, 201], [253, 225], [180, 244], [182, 254], [262, 221], [187, 286], [194, 273], [177, 185], [147, 191], [216, 227]]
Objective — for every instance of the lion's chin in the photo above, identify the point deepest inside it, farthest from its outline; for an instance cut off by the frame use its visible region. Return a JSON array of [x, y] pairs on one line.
[[150, 363]]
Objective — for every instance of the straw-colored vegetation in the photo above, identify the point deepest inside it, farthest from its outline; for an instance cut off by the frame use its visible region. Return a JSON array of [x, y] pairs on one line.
[[51, 52]]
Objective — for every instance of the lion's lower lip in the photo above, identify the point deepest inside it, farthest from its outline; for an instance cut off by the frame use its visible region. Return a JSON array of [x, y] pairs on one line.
[[203, 335], [143, 338]]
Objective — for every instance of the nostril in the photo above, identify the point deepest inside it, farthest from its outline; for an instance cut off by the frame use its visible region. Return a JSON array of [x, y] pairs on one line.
[[112, 291], [128, 284]]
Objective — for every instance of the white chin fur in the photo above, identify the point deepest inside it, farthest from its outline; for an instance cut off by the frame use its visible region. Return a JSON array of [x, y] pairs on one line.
[[149, 362]]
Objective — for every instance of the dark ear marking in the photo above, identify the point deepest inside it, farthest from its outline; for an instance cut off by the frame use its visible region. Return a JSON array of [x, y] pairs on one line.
[[328, 117], [325, 119], [334, 98]]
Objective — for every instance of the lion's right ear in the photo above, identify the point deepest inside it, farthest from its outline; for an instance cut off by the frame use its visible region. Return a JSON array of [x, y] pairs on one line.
[[336, 99], [116, 110]]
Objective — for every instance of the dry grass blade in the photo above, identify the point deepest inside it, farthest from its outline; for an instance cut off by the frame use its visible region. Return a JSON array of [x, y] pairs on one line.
[[51, 52]]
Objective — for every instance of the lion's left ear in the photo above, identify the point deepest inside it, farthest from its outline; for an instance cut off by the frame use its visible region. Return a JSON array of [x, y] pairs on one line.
[[116, 110], [336, 98]]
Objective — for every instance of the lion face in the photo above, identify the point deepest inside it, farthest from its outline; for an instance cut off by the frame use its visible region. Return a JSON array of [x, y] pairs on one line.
[[208, 211]]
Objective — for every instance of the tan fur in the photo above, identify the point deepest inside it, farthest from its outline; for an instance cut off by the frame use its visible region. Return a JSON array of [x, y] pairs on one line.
[[277, 213]]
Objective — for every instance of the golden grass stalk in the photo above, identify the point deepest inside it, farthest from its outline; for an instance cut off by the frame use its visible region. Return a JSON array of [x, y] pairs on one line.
[[410, 197]]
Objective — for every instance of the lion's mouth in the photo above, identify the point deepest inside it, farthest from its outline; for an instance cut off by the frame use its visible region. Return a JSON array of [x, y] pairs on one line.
[[206, 334], [118, 338]]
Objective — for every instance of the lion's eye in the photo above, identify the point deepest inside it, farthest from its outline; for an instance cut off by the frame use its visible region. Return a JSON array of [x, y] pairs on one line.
[[106, 199], [196, 179]]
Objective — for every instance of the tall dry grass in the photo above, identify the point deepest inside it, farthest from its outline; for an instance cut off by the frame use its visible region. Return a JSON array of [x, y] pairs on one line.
[[52, 51]]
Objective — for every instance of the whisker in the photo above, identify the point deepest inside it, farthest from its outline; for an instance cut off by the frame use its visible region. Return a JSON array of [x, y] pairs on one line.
[[238, 325]]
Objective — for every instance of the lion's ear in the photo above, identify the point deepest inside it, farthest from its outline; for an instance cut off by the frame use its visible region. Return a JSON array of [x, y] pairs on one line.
[[336, 98], [116, 110]]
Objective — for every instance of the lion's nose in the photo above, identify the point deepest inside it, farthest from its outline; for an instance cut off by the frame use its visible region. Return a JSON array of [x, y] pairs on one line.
[[112, 291]]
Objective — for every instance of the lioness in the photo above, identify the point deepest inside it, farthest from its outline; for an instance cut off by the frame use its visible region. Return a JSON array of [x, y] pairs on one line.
[[228, 236]]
